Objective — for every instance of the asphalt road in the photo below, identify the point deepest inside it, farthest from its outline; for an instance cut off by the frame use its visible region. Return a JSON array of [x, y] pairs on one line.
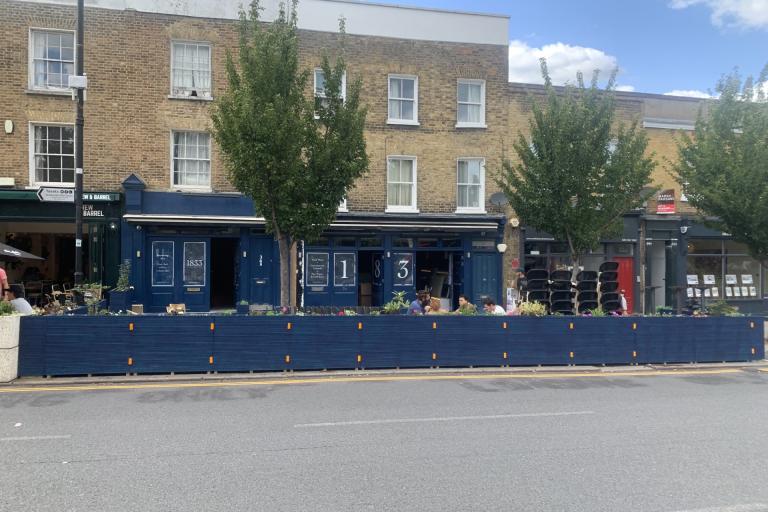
[[623, 443]]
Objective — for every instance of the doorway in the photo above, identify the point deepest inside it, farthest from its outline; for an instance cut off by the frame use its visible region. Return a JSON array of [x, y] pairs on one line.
[[224, 270], [435, 272]]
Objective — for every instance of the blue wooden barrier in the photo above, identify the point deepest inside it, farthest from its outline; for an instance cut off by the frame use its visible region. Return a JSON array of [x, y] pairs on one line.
[[79, 345]]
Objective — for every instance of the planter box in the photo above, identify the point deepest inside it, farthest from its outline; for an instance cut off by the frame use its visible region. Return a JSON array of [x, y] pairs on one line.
[[120, 301], [9, 347]]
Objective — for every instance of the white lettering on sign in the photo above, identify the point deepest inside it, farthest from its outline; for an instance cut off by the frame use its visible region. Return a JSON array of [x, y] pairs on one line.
[[90, 211], [403, 272], [195, 263], [56, 195], [377, 268]]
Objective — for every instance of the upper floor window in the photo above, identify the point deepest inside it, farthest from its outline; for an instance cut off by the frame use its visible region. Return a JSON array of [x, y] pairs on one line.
[[191, 70], [52, 154], [52, 59], [401, 184], [320, 93], [403, 99], [471, 104], [191, 160], [471, 185]]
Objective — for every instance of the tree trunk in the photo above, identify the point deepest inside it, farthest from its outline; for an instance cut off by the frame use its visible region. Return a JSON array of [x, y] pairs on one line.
[[285, 270], [575, 259]]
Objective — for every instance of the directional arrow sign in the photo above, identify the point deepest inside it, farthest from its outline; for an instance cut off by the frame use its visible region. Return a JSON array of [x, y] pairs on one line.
[[56, 195]]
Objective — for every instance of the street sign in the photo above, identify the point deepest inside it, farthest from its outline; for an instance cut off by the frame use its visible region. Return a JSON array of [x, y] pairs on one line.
[[56, 195]]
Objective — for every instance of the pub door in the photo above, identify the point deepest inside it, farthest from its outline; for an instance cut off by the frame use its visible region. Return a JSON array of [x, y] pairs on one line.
[[179, 273]]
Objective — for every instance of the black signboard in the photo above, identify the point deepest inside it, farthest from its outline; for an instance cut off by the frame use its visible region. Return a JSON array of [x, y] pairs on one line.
[[162, 263], [344, 269], [194, 263], [402, 270], [317, 269]]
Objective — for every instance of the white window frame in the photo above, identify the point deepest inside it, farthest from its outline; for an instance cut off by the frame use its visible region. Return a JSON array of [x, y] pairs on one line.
[[342, 206], [33, 183], [409, 122], [343, 84], [31, 60], [465, 124], [481, 207], [174, 95], [413, 208], [198, 188]]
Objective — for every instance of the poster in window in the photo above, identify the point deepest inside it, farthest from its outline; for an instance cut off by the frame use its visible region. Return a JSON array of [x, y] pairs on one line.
[[194, 264], [162, 263], [698, 292], [693, 279], [753, 291], [728, 291], [731, 279], [747, 279], [317, 269], [403, 268], [736, 291], [690, 293], [709, 279], [707, 292], [715, 292], [344, 269], [745, 291]]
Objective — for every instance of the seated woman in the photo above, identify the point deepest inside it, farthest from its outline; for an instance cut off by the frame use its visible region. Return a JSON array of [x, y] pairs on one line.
[[434, 307]]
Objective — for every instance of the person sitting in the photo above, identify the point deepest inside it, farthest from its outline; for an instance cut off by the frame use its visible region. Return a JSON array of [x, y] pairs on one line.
[[434, 307], [19, 303], [491, 308], [465, 307], [417, 306]]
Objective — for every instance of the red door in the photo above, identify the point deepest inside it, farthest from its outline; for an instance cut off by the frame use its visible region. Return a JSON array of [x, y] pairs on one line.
[[627, 280]]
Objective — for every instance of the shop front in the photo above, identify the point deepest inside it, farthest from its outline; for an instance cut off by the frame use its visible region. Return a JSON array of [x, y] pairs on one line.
[[46, 228], [206, 251], [363, 259]]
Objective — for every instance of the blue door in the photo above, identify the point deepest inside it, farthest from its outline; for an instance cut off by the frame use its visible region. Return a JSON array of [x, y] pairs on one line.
[[485, 277], [378, 279], [179, 273], [403, 270], [261, 257]]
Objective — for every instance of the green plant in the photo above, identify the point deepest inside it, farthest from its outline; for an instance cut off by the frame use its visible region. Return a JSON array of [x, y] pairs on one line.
[[397, 303], [722, 308], [469, 310], [243, 302], [532, 309], [597, 312], [123, 277], [6, 308]]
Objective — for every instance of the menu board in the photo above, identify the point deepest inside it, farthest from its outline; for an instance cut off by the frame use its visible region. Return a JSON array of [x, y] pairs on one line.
[[403, 268], [317, 269], [162, 263], [709, 279], [344, 269], [746, 279], [194, 263], [693, 279], [731, 279]]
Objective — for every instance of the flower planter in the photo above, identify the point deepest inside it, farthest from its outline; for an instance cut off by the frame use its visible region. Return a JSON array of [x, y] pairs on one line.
[[120, 301], [9, 347]]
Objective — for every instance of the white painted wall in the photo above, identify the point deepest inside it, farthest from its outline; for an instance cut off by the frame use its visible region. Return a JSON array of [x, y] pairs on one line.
[[323, 15]]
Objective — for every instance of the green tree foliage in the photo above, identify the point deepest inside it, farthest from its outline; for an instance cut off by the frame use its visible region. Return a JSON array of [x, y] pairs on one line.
[[723, 167], [295, 157], [579, 172]]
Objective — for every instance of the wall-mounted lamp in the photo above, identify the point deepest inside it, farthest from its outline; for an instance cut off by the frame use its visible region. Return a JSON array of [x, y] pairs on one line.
[[112, 226], [502, 248]]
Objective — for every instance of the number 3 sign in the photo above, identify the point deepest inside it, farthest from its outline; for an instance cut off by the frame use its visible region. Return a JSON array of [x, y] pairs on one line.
[[403, 269]]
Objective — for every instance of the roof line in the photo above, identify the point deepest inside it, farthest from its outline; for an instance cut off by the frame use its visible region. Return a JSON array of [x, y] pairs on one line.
[[427, 9]]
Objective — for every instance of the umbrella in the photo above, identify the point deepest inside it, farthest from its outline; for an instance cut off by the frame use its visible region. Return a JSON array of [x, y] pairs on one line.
[[11, 253]]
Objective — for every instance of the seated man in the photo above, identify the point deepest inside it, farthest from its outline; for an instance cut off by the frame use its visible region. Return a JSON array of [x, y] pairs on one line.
[[491, 308], [465, 307], [19, 303], [417, 306]]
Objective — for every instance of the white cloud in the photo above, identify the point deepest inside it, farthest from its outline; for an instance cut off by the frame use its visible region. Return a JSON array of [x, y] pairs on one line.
[[752, 14], [625, 88], [563, 61], [691, 93]]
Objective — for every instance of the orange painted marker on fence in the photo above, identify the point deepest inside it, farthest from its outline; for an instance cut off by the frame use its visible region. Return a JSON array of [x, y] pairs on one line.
[[434, 325], [359, 358], [505, 355], [634, 326], [130, 361], [213, 326], [504, 325], [434, 356], [289, 326], [287, 359], [210, 359], [359, 326], [130, 326], [570, 326]]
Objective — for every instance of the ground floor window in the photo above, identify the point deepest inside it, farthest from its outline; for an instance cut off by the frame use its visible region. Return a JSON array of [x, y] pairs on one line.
[[722, 269]]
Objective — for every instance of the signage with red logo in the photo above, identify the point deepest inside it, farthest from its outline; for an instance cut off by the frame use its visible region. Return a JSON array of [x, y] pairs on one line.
[[665, 202]]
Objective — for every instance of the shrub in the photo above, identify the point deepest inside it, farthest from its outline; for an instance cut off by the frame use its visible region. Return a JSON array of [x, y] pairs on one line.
[[396, 304], [532, 309], [722, 308], [6, 308], [123, 277]]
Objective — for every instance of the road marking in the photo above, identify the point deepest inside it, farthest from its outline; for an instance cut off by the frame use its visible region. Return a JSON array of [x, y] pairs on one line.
[[444, 418], [365, 378], [33, 438], [755, 507]]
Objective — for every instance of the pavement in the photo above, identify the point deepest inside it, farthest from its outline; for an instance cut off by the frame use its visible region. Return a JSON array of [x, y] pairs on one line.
[[687, 438]]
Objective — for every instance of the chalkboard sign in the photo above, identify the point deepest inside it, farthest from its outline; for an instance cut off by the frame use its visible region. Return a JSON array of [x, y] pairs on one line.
[[402, 268], [317, 269], [162, 263], [194, 264], [344, 269]]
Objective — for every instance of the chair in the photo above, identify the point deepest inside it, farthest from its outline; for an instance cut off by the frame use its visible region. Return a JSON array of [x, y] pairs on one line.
[[34, 292]]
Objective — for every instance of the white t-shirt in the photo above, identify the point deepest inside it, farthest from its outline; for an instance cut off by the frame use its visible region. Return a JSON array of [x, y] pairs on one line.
[[22, 307], [498, 310], [623, 303]]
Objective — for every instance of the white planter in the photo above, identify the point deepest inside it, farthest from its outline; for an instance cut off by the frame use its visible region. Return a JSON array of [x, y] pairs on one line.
[[9, 347]]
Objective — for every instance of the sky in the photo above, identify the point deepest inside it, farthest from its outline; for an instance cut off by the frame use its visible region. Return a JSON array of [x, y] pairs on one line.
[[659, 46]]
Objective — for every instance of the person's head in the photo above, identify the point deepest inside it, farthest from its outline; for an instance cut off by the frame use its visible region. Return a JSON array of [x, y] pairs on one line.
[[422, 296], [489, 304], [434, 304], [15, 291], [463, 300], [623, 292]]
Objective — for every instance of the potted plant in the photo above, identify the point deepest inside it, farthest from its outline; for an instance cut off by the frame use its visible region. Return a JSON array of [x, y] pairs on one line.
[[396, 305], [121, 296], [243, 307]]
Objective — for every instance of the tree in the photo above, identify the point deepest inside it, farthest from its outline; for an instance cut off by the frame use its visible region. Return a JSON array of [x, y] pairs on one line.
[[723, 168], [294, 156], [577, 174]]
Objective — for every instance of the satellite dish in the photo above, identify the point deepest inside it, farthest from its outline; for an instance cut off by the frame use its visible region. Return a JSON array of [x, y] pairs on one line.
[[499, 199]]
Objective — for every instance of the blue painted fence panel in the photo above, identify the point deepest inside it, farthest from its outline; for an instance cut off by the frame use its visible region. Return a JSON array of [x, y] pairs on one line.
[[250, 343], [324, 343], [398, 342], [538, 341], [596, 341], [32, 346], [164, 344], [471, 341]]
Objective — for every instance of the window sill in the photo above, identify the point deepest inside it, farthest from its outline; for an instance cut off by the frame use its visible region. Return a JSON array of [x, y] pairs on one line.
[[190, 98], [475, 211], [472, 125], [49, 92], [36, 185], [391, 209], [402, 122], [191, 190]]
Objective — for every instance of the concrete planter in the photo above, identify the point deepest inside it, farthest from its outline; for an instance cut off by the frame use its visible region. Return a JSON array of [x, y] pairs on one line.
[[9, 347]]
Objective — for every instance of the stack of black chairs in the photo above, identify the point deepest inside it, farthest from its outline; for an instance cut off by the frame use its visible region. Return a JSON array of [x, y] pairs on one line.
[[561, 292], [586, 286], [538, 286], [609, 286]]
